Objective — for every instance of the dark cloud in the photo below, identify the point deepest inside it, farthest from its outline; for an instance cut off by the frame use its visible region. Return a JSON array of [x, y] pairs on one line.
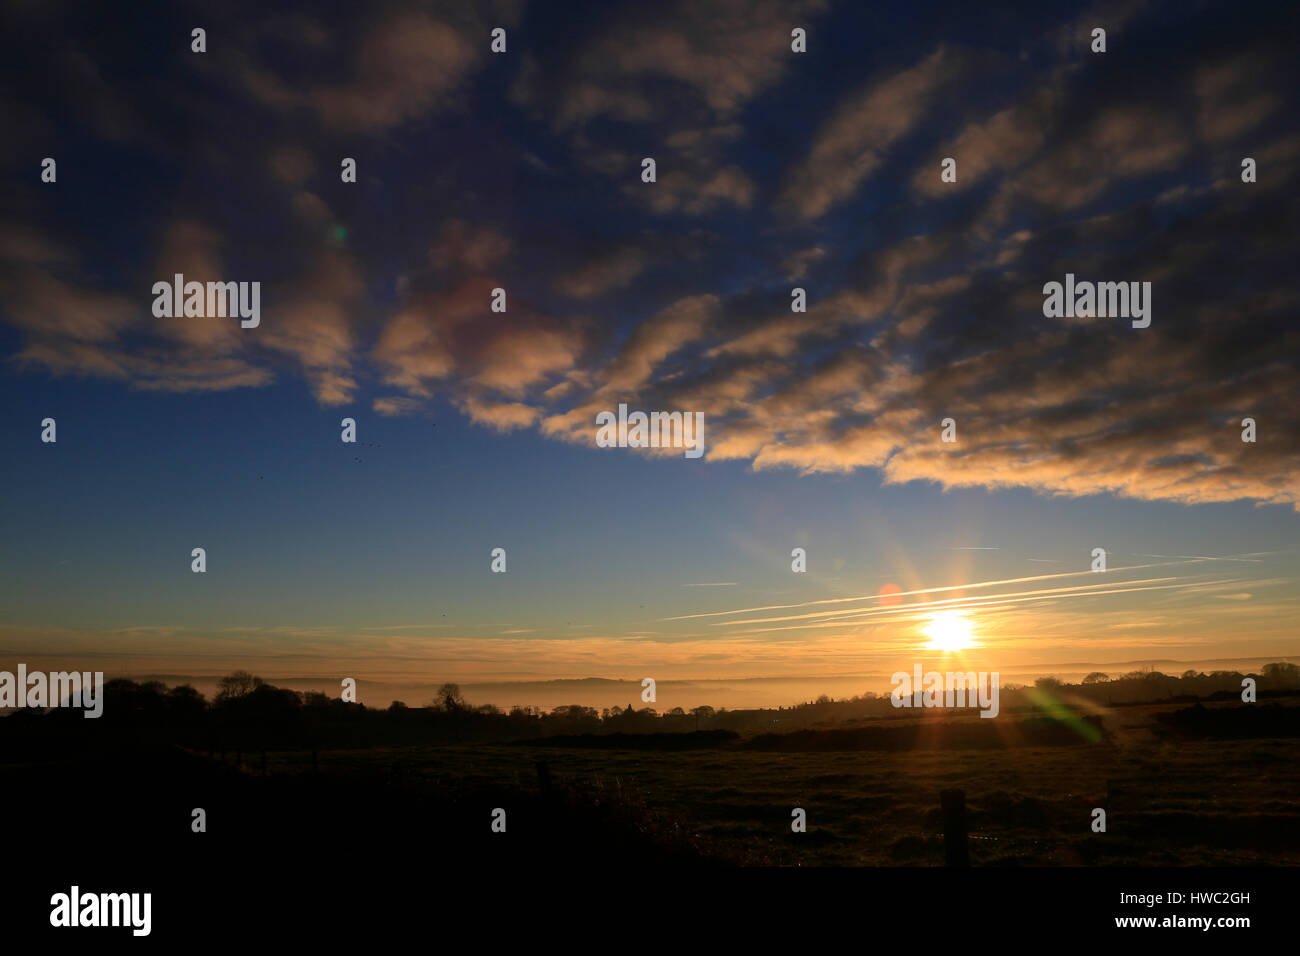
[[522, 172]]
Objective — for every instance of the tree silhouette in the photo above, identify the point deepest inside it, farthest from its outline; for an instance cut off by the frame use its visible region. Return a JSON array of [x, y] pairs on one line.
[[237, 684], [449, 698]]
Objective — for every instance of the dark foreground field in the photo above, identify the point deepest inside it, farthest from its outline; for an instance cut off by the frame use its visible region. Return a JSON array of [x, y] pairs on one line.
[[1173, 795], [1181, 786], [345, 841]]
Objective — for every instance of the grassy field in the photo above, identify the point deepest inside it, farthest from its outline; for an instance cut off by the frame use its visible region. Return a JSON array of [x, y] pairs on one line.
[[1169, 801]]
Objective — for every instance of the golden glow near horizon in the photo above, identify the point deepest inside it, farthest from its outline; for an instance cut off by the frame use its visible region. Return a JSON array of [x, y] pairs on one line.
[[949, 631]]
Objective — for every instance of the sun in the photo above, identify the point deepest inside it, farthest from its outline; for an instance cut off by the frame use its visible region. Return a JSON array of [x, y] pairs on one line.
[[949, 631]]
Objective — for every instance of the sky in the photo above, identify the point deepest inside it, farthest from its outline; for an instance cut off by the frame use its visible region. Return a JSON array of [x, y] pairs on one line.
[[522, 170]]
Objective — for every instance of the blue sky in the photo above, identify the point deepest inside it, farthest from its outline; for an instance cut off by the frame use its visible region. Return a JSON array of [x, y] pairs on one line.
[[475, 429]]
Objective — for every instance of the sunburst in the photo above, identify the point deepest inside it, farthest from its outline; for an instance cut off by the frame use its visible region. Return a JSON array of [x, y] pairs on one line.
[[949, 631]]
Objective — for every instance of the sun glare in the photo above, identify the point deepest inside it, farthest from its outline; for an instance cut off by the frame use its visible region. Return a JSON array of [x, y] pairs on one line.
[[949, 631]]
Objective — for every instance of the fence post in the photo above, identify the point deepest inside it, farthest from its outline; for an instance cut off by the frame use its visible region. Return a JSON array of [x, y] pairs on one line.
[[956, 850]]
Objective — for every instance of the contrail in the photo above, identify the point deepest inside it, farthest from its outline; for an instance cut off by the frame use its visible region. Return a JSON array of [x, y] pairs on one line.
[[936, 590], [920, 612]]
